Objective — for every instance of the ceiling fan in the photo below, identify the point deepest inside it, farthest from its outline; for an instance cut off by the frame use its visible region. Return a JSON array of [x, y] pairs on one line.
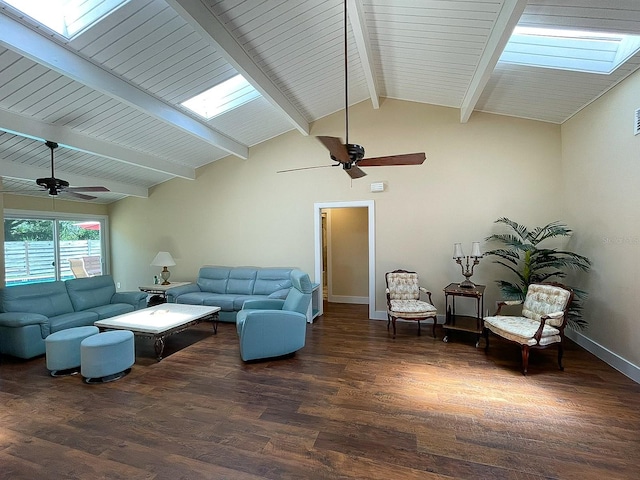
[[351, 156], [55, 186]]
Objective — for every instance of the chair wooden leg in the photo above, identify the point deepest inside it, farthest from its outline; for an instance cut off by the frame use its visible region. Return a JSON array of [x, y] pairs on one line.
[[560, 353], [388, 321], [419, 328], [485, 332], [435, 323], [525, 358]]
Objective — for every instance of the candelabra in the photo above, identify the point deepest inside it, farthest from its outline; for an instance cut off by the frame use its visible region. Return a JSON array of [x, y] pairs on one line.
[[467, 270]]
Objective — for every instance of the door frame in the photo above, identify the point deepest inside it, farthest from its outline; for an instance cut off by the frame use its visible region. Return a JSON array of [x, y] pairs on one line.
[[317, 234]]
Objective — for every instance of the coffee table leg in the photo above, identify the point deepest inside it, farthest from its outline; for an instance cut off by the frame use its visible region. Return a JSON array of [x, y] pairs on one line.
[[214, 321], [158, 344]]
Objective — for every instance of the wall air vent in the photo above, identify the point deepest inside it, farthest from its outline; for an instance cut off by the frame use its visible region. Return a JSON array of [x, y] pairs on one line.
[[636, 124]]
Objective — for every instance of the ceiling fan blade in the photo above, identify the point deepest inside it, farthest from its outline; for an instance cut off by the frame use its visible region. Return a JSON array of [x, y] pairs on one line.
[[86, 189], [406, 159], [78, 195], [336, 148], [354, 172], [306, 168]]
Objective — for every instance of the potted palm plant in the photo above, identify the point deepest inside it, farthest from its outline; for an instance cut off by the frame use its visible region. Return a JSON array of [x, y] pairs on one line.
[[522, 253]]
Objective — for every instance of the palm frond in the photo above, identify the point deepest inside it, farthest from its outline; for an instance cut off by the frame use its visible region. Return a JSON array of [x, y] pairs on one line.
[[508, 255], [521, 230], [553, 229], [510, 291], [519, 274], [509, 240]]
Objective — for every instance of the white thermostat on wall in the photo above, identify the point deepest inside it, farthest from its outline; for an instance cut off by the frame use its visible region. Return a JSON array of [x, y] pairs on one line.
[[377, 187]]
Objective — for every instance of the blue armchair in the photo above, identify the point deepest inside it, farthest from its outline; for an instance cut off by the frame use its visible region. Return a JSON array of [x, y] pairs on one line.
[[274, 327]]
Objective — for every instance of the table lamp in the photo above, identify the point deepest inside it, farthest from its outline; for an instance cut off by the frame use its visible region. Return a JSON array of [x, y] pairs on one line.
[[164, 259]]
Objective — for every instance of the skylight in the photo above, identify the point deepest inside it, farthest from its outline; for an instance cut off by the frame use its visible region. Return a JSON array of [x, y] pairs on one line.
[[66, 17], [575, 50], [223, 97]]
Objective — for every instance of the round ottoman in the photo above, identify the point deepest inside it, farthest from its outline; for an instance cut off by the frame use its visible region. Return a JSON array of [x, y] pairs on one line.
[[63, 350], [107, 356]]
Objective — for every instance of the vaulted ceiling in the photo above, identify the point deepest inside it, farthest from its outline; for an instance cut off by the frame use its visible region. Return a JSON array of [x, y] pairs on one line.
[[111, 96]]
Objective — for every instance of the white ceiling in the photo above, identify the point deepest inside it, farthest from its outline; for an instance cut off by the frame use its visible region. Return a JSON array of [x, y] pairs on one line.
[[111, 96]]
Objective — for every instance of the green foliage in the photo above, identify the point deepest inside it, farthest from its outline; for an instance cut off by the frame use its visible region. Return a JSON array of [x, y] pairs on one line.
[[22, 230], [522, 254]]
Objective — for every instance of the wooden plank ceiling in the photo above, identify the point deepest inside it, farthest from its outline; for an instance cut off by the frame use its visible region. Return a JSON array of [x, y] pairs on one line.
[[111, 96]]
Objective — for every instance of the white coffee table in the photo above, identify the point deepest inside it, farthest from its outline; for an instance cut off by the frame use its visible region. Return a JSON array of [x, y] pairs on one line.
[[161, 321]]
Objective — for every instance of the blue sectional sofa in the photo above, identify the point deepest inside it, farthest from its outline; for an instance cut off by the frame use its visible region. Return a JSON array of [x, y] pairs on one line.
[[28, 313], [229, 287]]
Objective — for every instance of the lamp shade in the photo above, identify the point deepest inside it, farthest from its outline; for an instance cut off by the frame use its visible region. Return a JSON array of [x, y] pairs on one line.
[[163, 259], [457, 250], [475, 249]]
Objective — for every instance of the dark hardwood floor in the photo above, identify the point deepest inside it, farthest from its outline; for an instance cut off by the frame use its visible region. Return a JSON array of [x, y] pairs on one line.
[[354, 403]]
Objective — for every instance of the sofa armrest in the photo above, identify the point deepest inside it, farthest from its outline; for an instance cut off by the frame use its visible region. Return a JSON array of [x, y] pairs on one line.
[[263, 304], [22, 319], [137, 299], [175, 292]]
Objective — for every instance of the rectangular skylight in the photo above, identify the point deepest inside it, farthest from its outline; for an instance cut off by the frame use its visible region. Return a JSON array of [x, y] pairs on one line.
[[66, 17], [223, 97], [576, 50]]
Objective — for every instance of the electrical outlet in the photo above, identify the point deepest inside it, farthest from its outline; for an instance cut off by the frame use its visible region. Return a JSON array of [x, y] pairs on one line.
[[118, 285]]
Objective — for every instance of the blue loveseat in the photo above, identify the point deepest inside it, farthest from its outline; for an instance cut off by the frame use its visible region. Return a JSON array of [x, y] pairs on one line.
[[28, 313], [229, 287]]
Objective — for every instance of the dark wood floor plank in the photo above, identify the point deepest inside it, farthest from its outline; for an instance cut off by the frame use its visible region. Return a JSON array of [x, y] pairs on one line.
[[353, 404]]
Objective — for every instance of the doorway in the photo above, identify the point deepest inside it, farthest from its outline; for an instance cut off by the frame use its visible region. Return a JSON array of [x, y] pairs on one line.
[[318, 236]]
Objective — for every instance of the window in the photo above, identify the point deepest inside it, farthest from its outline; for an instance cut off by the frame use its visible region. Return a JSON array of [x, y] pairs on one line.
[[223, 97], [66, 17], [582, 51], [44, 248]]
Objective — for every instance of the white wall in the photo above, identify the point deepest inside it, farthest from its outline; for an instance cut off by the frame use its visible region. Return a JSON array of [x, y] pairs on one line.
[[601, 168]]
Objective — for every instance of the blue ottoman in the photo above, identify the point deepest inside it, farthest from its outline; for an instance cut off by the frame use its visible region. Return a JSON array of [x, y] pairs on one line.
[[63, 350], [107, 356]]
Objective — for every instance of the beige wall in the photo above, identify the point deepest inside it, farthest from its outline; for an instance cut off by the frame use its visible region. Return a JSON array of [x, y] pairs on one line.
[[601, 168], [348, 239], [241, 212]]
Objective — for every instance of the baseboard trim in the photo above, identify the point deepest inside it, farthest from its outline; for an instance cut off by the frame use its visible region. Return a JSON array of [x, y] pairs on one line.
[[612, 359]]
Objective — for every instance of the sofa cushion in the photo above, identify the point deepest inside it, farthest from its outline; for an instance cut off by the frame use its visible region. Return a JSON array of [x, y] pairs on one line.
[[239, 300], [91, 292], [193, 298], [71, 320], [225, 302], [241, 280], [111, 310], [213, 279], [49, 299], [270, 280]]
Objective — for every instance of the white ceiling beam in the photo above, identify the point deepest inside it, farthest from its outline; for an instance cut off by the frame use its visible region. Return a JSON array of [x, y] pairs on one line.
[[505, 23], [38, 48], [361, 35], [31, 128], [214, 31], [20, 171]]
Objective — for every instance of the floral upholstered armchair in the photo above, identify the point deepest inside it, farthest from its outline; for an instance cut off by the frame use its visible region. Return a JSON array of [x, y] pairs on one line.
[[542, 323], [403, 300]]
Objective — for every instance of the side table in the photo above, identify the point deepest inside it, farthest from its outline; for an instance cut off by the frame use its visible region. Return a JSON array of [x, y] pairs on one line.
[[160, 291], [464, 323]]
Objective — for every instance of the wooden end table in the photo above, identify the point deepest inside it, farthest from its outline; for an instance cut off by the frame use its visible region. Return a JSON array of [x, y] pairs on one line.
[[466, 323]]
